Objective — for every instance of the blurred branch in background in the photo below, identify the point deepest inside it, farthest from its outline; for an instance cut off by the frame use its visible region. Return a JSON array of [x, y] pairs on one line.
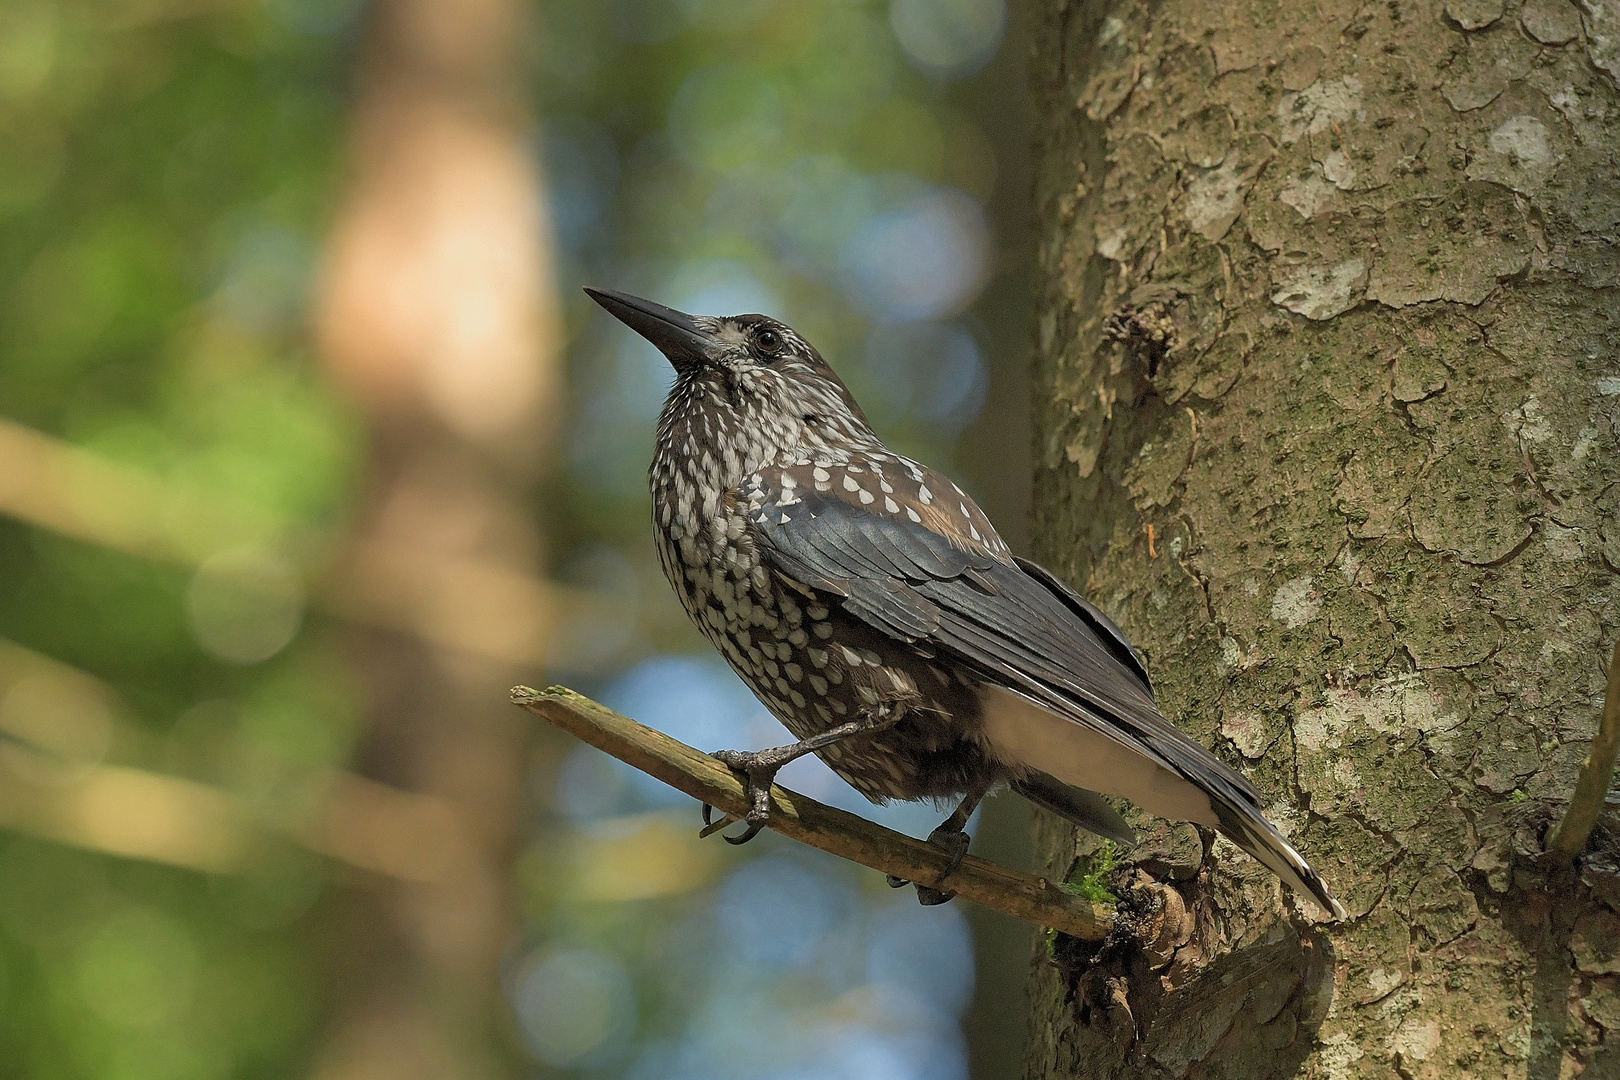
[[61, 729], [58, 486], [465, 604], [436, 313], [62, 735]]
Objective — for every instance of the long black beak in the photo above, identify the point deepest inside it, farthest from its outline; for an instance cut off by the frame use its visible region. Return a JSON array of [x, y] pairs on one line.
[[674, 332]]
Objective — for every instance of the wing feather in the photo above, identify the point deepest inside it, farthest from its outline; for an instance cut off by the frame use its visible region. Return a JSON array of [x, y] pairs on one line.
[[1016, 625]]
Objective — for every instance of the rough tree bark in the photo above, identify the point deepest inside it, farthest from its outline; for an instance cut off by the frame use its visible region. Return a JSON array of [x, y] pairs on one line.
[[1328, 394]]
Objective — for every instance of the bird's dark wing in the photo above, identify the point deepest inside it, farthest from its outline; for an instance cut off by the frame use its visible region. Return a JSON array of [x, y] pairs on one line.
[[1092, 615], [935, 574], [906, 552]]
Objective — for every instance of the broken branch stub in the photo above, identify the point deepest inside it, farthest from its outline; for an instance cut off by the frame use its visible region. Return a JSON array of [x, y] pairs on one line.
[[1586, 805], [846, 835]]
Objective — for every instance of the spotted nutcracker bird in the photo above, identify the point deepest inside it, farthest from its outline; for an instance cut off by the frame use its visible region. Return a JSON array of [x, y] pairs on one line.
[[869, 603]]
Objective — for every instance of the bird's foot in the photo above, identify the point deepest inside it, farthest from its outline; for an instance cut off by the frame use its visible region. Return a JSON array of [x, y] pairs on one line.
[[710, 827], [758, 770], [954, 842]]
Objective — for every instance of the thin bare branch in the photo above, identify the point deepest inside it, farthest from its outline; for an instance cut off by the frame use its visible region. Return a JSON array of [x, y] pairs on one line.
[[846, 835], [1570, 834]]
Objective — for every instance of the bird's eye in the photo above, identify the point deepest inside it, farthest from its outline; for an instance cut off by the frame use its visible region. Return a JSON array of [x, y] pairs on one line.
[[769, 342]]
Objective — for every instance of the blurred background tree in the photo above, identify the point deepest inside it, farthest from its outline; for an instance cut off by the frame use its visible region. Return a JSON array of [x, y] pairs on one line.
[[310, 448]]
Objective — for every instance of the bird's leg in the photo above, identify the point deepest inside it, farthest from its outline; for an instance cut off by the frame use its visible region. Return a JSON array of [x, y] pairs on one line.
[[759, 767], [953, 838]]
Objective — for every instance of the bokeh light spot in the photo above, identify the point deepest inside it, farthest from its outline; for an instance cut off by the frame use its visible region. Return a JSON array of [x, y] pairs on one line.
[[573, 1003], [929, 372], [726, 116], [245, 605], [921, 261], [948, 38], [138, 969]]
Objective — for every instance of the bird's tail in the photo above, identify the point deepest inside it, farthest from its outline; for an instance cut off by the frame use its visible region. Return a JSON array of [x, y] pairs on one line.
[[1246, 827], [1086, 809]]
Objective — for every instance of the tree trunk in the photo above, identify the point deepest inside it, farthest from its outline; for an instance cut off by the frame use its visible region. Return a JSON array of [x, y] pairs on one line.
[[437, 314], [1328, 392]]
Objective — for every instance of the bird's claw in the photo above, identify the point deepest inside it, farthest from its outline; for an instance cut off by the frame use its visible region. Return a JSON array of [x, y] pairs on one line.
[[758, 775], [955, 843], [711, 827]]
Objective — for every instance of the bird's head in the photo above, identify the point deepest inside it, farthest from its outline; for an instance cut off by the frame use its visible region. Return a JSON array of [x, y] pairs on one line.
[[749, 373]]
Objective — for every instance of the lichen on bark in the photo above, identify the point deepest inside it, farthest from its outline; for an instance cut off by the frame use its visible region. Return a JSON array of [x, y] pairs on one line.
[[1359, 504]]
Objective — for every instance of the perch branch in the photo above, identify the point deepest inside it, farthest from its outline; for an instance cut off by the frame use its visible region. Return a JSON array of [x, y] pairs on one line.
[[807, 821], [1596, 772]]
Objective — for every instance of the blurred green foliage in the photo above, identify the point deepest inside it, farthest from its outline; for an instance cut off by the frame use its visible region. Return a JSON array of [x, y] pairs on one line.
[[163, 183], [167, 169]]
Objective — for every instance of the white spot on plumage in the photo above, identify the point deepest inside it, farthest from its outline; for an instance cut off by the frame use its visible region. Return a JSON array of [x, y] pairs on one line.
[[890, 505], [850, 484], [913, 515], [866, 497], [925, 496]]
